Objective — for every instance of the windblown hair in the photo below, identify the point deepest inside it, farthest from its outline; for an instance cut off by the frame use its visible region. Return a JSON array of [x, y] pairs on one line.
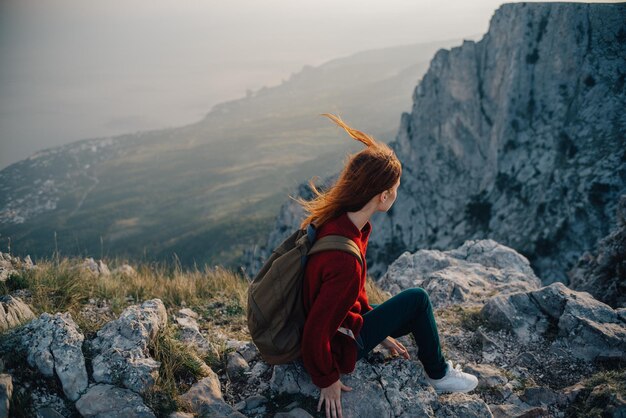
[[365, 174]]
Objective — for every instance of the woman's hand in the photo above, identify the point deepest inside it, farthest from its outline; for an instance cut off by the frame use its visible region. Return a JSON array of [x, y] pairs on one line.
[[332, 396], [395, 347]]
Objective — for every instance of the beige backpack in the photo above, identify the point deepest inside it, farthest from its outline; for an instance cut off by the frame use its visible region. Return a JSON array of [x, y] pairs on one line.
[[275, 308]]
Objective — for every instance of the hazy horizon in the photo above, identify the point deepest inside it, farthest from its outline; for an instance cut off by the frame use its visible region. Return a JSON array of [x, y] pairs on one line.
[[72, 70]]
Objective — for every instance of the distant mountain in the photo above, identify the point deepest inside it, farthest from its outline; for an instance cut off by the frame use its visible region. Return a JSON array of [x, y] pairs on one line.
[[208, 190], [520, 137]]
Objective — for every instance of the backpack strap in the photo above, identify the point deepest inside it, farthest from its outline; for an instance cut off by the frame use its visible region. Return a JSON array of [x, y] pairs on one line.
[[336, 242]]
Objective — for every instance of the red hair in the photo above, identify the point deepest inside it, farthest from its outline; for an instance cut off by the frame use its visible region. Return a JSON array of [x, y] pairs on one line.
[[365, 174]]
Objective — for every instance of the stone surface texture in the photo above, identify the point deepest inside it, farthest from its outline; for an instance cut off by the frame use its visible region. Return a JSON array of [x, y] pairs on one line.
[[107, 401], [13, 312], [121, 354], [54, 346]]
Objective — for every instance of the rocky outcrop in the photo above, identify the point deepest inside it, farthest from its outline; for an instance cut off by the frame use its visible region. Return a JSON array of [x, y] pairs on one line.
[[518, 137], [469, 274], [590, 328], [13, 312], [121, 354], [104, 401], [603, 274], [382, 389], [54, 346], [10, 265]]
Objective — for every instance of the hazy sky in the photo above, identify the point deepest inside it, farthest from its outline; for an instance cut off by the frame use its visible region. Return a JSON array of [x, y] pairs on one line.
[[74, 69]]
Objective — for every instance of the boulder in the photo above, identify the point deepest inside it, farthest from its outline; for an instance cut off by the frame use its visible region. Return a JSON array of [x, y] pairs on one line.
[[13, 312], [392, 388], [205, 398], [54, 346], [105, 401], [469, 274], [589, 327], [121, 354]]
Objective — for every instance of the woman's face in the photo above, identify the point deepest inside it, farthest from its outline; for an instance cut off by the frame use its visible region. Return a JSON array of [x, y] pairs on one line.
[[388, 197]]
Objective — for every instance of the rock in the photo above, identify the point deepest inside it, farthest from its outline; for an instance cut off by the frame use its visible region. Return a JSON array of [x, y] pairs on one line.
[[516, 411], [469, 274], [259, 368], [6, 391], [571, 393], [104, 401], [54, 346], [251, 403], [590, 327], [181, 415], [292, 378], [236, 365], [463, 405], [186, 320], [249, 351], [604, 274], [120, 349], [488, 376], [205, 398], [48, 412], [90, 265], [540, 395], [294, 413], [10, 265], [393, 388], [13, 312]]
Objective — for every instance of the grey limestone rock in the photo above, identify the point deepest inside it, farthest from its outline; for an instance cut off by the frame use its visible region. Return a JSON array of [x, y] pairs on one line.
[[469, 274], [294, 413], [6, 391], [13, 312], [205, 398], [590, 328], [121, 347], [54, 346], [394, 388], [10, 264], [105, 401], [236, 365], [603, 274], [186, 320]]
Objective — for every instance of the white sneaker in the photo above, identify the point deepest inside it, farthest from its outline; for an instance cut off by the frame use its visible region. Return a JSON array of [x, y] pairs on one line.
[[454, 381]]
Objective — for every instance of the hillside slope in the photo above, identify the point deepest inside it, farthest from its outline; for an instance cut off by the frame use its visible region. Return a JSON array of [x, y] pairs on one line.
[[155, 194]]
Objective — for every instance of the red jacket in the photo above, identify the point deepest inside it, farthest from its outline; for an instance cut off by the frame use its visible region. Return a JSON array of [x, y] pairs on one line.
[[334, 295]]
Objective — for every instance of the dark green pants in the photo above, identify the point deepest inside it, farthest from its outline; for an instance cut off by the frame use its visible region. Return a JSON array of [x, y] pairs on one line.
[[407, 312]]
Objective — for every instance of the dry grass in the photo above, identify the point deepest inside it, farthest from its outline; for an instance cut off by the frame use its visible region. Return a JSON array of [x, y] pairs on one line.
[[65, 286], [375, 294]]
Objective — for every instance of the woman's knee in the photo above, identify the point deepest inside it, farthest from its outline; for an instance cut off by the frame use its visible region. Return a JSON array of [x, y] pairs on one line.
[[420, 298]]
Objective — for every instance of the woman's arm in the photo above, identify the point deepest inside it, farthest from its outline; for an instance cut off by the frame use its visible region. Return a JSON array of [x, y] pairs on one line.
[[338, 292]]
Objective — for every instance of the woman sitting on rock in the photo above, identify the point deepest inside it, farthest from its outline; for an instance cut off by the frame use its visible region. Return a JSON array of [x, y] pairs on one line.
[[341, 326]]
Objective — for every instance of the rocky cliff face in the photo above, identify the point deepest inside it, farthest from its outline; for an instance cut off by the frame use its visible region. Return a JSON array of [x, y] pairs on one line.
[[519, 137]]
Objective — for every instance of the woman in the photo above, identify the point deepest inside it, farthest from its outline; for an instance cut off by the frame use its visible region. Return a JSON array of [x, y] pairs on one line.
[[341, 326]]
